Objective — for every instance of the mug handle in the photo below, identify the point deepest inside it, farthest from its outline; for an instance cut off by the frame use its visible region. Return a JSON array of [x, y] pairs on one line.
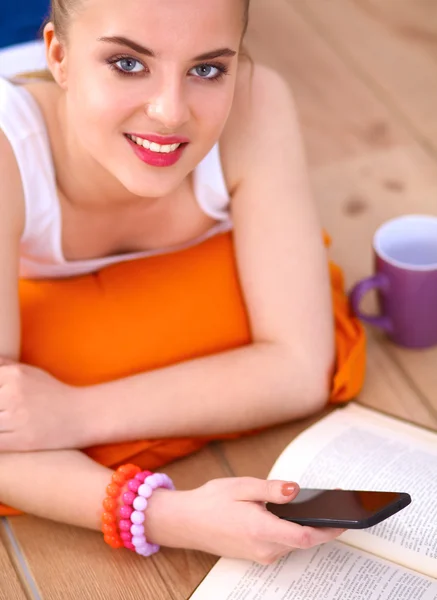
[[378, 282]]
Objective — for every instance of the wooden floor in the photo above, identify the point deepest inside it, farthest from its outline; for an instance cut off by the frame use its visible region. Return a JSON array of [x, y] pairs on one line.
[[364, 74]]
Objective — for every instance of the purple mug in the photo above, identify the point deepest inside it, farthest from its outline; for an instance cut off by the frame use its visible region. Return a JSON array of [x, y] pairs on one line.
[[405, 258]]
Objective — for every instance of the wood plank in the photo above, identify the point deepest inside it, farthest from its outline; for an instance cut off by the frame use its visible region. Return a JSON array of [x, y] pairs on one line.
[[421, 367], [341, 116], [10, 586], [400, 72], [389, 390], [78, 562], [354, 198], [414, 20]]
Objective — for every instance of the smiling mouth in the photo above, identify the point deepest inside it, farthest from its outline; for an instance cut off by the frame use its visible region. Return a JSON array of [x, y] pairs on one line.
[[152, 146]]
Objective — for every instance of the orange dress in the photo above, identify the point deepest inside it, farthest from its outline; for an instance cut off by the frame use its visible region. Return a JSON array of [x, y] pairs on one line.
[[136, 316]]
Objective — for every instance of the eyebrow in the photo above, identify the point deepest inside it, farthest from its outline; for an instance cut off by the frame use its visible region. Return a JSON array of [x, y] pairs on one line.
[[116, 39]]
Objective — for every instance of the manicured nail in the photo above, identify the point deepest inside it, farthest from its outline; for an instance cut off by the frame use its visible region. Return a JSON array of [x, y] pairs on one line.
[[288, 489]]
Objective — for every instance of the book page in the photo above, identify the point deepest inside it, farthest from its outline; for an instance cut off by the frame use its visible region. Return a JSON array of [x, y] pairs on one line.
[[356, 448], [330, 572]]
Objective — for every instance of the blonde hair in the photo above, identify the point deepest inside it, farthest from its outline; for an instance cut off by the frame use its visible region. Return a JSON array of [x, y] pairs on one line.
[[61, 10]]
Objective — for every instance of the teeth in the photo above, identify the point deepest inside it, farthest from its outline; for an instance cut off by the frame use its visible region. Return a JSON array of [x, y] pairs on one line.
[[153, 146]]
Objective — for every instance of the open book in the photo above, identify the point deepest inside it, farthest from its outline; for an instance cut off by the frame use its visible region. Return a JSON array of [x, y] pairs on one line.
[[352, 448]]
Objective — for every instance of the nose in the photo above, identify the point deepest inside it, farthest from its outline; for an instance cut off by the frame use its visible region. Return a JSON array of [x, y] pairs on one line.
[[169, 105]]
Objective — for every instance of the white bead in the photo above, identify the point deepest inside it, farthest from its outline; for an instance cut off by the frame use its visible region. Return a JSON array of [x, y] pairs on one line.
[[153, 481], [145, 490], [137, 530], [162, 479], [140, 503], [138, 541], [168, 483], [137, 517]]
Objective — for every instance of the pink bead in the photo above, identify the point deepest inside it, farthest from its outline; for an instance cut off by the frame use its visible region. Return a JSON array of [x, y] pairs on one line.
[[129, 546], [124, 525], [145, 490], [126, 511], [141, 476], [137, 518], [126, 536], [128, 498], [140, 503], [137, 530], [133, 485]]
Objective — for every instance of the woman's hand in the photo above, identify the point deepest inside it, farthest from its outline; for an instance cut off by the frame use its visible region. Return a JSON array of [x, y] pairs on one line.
[[227, 517], [37, 412]]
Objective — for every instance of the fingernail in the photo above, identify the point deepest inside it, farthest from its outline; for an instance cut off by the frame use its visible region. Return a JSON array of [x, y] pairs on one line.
[[289, 488]]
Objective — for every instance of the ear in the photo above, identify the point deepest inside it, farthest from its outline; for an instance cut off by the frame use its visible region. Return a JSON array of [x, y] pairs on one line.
[[56, 55]]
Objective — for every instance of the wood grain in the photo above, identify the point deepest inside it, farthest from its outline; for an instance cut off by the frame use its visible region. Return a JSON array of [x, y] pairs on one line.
[[420, 366], [10, 586], [415, 20], [341, 117], [356, 196], [393, 64], [388, 390]]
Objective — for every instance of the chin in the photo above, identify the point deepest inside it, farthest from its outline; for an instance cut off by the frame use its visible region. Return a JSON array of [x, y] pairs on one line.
[[148, 186]]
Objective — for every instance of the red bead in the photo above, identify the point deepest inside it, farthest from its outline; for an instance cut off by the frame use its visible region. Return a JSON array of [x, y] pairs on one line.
[[109, 529], [113, 490], [129, 546], [113, 541], [129, 470], [118, 479], [110, 504], [126, 536], [108, 517]]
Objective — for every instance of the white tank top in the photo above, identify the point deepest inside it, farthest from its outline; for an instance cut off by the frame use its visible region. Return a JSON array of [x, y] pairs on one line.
[[41, 244]]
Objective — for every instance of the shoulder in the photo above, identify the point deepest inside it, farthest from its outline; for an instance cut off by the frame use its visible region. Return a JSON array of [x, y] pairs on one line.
[[263, 111], [11, 195]]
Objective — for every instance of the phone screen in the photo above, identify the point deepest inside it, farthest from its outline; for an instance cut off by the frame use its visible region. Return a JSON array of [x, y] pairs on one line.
[[340, 508]]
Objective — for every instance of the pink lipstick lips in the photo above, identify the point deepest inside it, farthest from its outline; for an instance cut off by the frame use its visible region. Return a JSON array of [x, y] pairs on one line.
[[156, 150]]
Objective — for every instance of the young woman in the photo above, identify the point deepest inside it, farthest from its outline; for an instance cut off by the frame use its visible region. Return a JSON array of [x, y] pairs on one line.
[[137, 315]]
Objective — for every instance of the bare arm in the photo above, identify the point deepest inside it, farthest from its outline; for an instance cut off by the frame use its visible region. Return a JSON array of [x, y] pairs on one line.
[[67, 486], [11, 226], [285, 373]]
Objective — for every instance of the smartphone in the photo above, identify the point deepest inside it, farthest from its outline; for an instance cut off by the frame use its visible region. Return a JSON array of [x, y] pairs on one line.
[[346, 509]]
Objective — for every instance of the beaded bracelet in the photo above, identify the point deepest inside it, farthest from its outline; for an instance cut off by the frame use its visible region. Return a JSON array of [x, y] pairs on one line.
[[132, 512], [110, 504]]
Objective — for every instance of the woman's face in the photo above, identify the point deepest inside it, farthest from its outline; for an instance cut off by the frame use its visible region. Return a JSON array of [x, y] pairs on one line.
[[153, 80]]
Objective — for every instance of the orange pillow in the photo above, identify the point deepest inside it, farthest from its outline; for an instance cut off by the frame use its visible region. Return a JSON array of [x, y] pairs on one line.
[[141, 315]]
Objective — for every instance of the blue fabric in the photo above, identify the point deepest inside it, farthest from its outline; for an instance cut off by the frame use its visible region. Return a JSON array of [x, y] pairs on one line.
[[21, 20]]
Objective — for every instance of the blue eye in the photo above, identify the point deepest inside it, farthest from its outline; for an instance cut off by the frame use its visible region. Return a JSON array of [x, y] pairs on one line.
[[129, 65], [209, 71]]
